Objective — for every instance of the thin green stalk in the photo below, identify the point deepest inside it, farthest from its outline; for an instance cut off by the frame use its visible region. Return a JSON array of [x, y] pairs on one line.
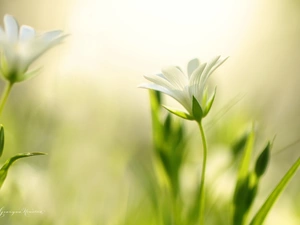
[[174, 211], [5, 95], [202, 192]]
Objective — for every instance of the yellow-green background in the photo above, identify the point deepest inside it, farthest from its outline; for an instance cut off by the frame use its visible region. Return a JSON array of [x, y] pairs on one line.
[[86, 111]]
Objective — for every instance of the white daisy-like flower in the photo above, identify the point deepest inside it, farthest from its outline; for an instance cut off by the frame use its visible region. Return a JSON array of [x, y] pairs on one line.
[[188, 89], [20, 47]]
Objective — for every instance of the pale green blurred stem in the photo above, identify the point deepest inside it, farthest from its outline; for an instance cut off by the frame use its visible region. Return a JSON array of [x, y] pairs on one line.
[[5, 95], [202, 192]]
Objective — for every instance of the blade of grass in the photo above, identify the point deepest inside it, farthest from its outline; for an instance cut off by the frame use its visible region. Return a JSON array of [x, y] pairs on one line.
[[9, 162], [244, 166], [264, 210], [241, 194]]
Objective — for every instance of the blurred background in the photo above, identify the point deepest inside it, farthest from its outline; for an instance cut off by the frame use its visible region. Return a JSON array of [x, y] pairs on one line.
[[86, 111]]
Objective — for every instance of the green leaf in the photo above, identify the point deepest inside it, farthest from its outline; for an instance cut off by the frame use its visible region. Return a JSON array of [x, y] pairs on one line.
[[244, 192], [167, 125], [264, 210], [262, 161], [197, 110], [155, 103], [241, 191], [209, 103], [179, 113], [244, 166], [239, 145], [9, 162], [155, 98], [1, 139]]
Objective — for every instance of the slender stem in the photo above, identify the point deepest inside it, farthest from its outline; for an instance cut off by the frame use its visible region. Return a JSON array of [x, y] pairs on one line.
[[202, 193], [5, 95], [174, 211]]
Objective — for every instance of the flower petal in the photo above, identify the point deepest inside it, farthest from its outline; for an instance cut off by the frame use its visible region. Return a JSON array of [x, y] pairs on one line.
[[196, 75], [195, 86], [219, 63], [26, 33], [51, 36], [11, 28], [156, 88], [178, 95], [175, 76], [192, 66], [42, 44], [159, 79], [207, 70]]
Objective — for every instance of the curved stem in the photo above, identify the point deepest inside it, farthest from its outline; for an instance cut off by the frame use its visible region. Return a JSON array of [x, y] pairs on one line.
[[202, 193], [5, 95]]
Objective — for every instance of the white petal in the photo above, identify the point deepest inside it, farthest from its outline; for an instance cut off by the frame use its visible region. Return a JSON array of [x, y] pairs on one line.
[[192, 66], [179, 69], [11, 28], [196, 87], [219, 63], [156, 88], [159, 79], [26, 33], [185, 99], [175, 77], [51, 35], [43, 43], [207, 70], [196, 75], [176, 94]]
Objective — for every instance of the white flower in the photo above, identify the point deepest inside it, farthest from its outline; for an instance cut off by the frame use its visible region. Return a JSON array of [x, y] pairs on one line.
[[21, 47], [189, 90]]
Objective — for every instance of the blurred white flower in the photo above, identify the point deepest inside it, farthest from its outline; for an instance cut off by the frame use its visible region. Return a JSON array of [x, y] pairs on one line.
[[189, 90], [21, 47]]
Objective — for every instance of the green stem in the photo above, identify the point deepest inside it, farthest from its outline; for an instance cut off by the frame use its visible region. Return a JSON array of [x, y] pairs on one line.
[[202, 193], [174, 211], [5, 95]]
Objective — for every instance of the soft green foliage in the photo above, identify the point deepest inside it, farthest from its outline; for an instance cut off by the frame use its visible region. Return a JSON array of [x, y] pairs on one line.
[[244, 190], [20, 47], [264, 210], [9, 162], [248, 178], [248, 181], [4, 169], [169, 146], [190, 90]]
